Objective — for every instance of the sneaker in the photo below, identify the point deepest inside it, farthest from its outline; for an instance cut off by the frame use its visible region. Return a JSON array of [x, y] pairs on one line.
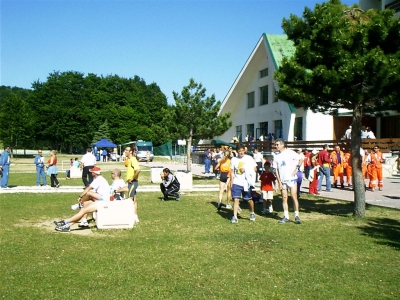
[[59, 223], [284, 221], [271, 209], [297, 220], [57, 186], [228, 206], [342, 186], [219, 206], [76, 206], [264, 211], [64, 228], [234, 220], [136, 218], [252, 217], [178, 198], [83, 224], [380, 189]]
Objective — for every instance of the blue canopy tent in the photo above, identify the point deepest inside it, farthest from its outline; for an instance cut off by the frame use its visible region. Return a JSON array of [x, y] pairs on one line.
[[104, 143]]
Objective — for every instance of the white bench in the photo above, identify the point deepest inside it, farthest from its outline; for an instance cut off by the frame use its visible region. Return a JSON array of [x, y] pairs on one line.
[[75, 172], [117, 214]]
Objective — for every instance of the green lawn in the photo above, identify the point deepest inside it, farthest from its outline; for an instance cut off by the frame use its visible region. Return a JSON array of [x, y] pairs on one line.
[[187, 250]]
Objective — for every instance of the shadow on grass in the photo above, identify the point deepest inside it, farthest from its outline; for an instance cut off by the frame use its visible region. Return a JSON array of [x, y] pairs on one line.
[[384, 231], [326, 206]]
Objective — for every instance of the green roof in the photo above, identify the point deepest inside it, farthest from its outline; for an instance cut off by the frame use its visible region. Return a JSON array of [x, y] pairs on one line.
[[280, 47]]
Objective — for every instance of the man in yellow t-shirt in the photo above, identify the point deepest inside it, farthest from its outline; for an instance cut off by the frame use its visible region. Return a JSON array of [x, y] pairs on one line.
[[132, 174]]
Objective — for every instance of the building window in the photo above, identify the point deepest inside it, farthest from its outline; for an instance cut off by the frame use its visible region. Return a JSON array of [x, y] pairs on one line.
[[250, 129], [264, 73], [264, 95], [250, 100], [298, 129], [278, 130], [275, 95], [263, 129], [239, 132]]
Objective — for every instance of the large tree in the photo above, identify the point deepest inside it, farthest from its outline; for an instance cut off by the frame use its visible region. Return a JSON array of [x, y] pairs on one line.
[[345, 58], [195, 116]]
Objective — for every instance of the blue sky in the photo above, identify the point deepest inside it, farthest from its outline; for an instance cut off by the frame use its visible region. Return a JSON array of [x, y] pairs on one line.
[[161, 41]]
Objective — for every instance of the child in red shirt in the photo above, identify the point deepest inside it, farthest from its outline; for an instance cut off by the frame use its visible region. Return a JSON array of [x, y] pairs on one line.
[[267, 189]]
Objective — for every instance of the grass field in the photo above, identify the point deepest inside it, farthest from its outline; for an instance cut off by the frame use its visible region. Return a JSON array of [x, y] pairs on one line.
[[187, 250]]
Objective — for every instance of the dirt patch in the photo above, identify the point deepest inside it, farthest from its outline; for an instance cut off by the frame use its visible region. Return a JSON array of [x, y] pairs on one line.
[[48, 225]]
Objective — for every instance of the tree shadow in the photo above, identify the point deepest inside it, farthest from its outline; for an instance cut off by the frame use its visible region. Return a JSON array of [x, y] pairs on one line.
[[326, 206], [384, 231]]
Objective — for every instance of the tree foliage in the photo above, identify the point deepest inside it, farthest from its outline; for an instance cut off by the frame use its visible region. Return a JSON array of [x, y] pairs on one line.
[[345, 58], [194, 116]]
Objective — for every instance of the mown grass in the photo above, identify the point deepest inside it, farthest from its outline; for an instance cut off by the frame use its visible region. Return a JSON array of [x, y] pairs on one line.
[[187, 250]]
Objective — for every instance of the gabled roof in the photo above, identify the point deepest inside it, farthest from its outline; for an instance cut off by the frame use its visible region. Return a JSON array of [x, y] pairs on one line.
[[280, 47]]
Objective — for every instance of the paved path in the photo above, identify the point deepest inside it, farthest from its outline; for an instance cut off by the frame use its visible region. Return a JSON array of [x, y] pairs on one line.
[[389, 197]]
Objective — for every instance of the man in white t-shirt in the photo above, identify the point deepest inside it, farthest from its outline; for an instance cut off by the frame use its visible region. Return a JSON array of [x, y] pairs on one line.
[[118, 187], [286, 163], [88, 161], [98, 190], [242, 170]]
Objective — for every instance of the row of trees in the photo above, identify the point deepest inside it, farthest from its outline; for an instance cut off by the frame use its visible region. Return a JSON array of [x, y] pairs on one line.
[[69, 111]]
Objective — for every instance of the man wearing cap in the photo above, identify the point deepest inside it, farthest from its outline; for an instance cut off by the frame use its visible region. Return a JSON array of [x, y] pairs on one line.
[[98, 190], [87, 162], [132, 174]]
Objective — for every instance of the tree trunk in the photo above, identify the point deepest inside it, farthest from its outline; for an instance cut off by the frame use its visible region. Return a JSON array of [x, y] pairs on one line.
[[358, 180], [188, 151]]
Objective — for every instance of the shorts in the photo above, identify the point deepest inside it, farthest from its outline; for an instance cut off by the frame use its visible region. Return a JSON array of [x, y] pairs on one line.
[[268, 195], [223, 177], [132, 187], [238, 192], [287, 185]]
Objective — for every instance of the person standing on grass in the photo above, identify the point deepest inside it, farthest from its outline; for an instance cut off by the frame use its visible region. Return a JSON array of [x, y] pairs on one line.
[[39, 162], [99, 189], [88, 161], [224, 181], [286, 164], [5, 167], [132, 174], [241, 165], [267, 179], [52, 169]]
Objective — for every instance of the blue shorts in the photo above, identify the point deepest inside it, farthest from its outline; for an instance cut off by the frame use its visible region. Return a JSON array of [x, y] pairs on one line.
[[132, 187], [238, 192]]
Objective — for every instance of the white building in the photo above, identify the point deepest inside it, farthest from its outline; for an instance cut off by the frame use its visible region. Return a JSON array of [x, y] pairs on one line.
[[254, 107]]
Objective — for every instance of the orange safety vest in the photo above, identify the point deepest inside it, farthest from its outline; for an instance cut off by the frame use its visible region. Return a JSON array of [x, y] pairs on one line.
[[377, 159]]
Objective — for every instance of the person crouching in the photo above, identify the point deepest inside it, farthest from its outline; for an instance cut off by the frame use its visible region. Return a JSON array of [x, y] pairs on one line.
[[170, 185]]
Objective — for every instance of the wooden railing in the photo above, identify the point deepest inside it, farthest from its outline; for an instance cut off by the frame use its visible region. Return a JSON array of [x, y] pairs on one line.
[[385, 145]]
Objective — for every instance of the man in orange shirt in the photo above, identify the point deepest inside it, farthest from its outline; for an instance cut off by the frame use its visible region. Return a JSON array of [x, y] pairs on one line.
[[375, 160], [337, 158]]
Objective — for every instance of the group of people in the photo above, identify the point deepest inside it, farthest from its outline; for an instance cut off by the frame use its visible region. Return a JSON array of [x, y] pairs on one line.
[[366, 133], [98, 189]]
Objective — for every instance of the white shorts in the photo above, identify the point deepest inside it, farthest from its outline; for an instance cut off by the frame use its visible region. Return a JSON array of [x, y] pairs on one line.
[[268, 195], [287, 185]]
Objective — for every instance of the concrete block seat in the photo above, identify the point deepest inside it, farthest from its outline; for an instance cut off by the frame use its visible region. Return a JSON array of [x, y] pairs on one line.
[[75, 172], [117, 214]]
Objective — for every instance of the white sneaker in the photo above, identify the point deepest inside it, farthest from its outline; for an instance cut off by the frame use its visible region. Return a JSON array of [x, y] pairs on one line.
[[271, 209], [76, 206], [83, 224], [252, 217], [136, 218], [228, 206]]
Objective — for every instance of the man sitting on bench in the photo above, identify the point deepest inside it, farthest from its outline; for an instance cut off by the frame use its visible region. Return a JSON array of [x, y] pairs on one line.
[[98, 190], [170, 185]]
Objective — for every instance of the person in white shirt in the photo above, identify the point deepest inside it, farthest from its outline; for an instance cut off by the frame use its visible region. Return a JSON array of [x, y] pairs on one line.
[[98, 190], [118, 187], [88, 161], [258, 158], [286, 164], [347, 134], [242, 171]]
